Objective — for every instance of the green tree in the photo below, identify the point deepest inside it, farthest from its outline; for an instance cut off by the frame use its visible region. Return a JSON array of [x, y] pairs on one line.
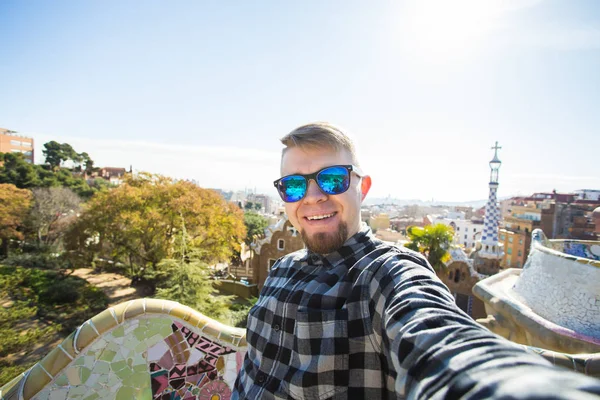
[[255, 225], [185, 278], [249, 206], [16, 171], [136, 223], [433, 241], [14, 207]]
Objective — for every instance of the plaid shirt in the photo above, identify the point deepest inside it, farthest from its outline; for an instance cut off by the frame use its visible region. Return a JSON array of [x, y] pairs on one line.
[[370, 321]]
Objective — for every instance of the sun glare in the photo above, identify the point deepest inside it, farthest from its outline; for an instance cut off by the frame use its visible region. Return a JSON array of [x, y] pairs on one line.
[[447, 31]]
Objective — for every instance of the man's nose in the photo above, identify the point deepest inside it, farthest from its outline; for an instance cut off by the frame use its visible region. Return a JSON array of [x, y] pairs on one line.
[[313, 193]]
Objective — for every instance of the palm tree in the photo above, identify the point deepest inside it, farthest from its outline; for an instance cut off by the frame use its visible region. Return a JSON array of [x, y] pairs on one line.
[[433, 241]]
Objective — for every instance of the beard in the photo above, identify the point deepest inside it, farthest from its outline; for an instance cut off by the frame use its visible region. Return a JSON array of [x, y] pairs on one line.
[[326, 242]]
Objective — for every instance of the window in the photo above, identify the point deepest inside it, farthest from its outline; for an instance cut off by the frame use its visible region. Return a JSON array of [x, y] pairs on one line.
[[271, 263], [509, 251], [458, 228], [508, 263], [474, 230], [15, 143], [520, 253], [465, 244], [510, 239], [280, 244], [520, 241], [15, 151], [465, 235], [26, 144], [501, 237]]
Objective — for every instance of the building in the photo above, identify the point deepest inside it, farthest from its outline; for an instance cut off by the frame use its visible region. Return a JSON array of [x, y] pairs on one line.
[[380, 221], [266, 204], [588, 194], [280, 239], [521, 219], [466, 232], [12, 142]]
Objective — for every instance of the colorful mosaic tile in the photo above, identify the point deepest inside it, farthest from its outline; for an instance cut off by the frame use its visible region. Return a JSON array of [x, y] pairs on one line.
[[149, 358]]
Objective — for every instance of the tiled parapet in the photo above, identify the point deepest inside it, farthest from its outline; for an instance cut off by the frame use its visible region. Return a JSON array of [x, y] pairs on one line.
[[146, 349], [552, 303], [561, 287]]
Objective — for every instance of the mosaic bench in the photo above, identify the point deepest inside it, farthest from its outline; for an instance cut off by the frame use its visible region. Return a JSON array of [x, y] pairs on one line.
[[141, 349]]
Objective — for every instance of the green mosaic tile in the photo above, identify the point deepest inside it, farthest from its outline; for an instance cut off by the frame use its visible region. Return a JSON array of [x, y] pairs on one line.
[[92, 396], [84, 373], [62, 380], [138, 380], [113, 346], [140, 368], [145, 393], [141, 347], [124, 373], [102, 367], [99, 345], [125, 393], [118, 365], [140, 333], [119, 332], [77, 391], [59, 394], [114, 380], [107, 355]]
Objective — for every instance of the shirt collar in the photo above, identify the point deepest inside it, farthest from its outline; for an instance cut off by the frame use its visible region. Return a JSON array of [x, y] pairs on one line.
[[353, 246]]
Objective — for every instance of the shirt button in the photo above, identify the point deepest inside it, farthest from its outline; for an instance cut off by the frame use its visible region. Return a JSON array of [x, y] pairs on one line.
[[276, 328]]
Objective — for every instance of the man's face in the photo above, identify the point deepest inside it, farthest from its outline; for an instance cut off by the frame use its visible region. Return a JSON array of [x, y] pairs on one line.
[[341, 212]]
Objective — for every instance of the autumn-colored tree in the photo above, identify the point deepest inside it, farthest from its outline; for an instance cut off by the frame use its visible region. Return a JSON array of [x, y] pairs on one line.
[[137, 223], [433, 241], [14, 207]]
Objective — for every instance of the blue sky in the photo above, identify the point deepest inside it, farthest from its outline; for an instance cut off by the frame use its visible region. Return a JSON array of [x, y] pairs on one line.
[[203, 90]]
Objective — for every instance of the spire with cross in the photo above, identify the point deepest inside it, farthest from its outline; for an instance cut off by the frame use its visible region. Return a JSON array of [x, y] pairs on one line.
[[489, 238]]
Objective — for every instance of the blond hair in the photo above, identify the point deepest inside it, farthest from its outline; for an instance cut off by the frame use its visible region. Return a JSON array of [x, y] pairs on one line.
[[318, 135]]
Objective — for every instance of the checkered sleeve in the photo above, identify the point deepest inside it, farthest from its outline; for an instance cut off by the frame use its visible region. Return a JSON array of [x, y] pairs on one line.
[[438, 352]]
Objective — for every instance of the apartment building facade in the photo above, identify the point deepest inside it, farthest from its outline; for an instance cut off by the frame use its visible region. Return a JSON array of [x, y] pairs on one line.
[[12, 142]]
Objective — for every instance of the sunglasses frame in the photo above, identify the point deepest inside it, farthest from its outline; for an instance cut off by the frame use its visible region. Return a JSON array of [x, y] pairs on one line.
[[313, 176]]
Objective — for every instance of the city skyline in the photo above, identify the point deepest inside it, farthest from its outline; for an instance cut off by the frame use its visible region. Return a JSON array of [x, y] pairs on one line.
[[203, 91]]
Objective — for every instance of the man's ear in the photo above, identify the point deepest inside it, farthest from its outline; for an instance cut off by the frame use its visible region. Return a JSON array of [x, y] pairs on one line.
[[365, 185]]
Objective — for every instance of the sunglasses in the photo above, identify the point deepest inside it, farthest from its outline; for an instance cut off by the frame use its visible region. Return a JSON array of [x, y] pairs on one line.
[[330, 180]]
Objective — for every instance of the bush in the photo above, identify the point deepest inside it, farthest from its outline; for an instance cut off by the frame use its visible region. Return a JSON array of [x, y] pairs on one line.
[[32, 260], [60, 292]]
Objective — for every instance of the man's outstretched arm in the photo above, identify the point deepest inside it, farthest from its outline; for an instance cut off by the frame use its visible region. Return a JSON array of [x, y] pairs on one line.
[[440, 352]]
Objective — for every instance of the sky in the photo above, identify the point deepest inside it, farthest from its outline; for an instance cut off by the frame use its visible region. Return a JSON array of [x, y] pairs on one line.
[[203, 90]]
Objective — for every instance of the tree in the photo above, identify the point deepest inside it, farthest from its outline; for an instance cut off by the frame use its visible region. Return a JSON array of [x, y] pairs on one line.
[[14, 205], [255, 225], [249, 206], [433, 241], [23, 175], [15, 170], [136, 223], [58, 153], [52, 207], [185, 278]]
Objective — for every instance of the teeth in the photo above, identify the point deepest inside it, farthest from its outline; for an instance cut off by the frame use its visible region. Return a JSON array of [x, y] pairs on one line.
[[319, 216]]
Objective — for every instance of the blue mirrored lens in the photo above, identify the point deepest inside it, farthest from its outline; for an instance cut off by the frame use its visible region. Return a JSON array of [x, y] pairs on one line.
[[334, 180], [292, 188]]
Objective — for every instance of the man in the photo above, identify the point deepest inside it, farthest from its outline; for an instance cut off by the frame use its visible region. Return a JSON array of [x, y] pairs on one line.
[[351, 317]]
